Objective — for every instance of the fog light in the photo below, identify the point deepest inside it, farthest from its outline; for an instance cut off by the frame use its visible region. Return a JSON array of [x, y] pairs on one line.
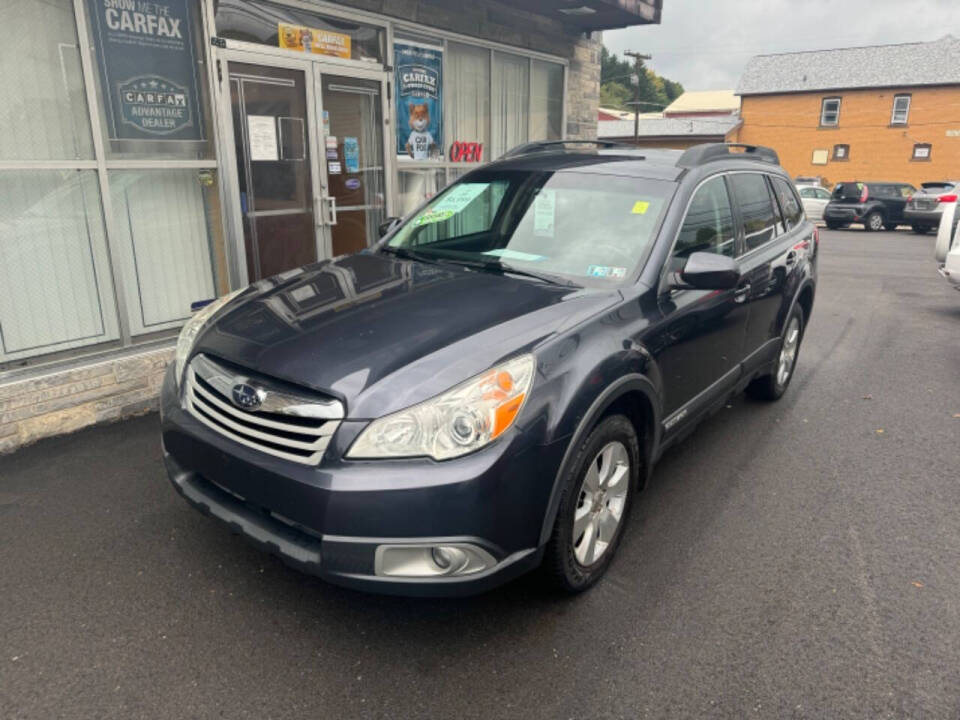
[[424, 561]]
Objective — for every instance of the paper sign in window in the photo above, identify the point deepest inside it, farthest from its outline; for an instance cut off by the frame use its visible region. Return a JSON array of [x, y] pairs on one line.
[[545, 213], [262, 131], [292, 139], [460, 196]]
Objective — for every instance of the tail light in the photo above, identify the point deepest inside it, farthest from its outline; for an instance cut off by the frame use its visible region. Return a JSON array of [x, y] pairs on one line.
[[865, 194], [951, 197]]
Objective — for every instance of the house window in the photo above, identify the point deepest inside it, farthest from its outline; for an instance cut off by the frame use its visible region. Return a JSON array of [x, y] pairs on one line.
[[901, 110], [921, 151], [841, 152], [830, 112], [820, 157]]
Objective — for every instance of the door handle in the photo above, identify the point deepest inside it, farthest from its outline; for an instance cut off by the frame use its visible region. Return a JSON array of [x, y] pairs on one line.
[[331, 208], [791, 257], [740, 294]]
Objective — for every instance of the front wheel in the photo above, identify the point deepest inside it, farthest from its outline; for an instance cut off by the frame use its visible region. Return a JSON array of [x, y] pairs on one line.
[[597, 494], [920, 229], [772, 387], [873, 222], [834, 225]]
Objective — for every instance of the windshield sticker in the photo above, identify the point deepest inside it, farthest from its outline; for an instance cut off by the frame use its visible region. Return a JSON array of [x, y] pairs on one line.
[[544, 213], [606, 272], [515, 255], [434, 216], [458, 197], [640, 207]]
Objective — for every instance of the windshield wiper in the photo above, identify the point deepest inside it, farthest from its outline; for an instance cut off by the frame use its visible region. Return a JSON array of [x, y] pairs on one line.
[[499, 267], [408, 254]]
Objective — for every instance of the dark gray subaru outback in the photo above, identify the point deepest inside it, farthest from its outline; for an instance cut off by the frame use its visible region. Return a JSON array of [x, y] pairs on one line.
[[486, 390]]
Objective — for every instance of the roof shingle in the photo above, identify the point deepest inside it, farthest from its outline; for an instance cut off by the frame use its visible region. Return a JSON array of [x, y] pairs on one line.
[[910, 64]]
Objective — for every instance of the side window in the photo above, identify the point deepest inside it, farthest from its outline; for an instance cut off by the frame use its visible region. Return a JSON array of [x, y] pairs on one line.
[[823, 194], [708, 226], [808, 192], [792, 210], [756, 207]]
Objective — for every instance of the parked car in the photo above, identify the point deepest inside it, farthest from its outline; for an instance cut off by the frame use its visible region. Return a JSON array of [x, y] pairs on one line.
[[814, 199], [814, 180], [948, 243], [878, 205], [924, 208], [487, 389]]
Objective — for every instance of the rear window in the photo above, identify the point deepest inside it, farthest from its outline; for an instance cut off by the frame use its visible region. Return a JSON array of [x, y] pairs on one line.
[[848, 191], [936, 188]]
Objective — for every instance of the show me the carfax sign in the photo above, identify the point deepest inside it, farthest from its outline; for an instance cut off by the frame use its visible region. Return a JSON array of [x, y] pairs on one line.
[[145, 53]]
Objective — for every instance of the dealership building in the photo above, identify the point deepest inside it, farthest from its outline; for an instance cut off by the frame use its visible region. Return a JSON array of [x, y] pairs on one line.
[[157, 154]]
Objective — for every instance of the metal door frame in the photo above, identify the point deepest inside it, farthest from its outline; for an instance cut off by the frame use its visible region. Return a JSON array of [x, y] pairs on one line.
[[314, 68], [322, 69]]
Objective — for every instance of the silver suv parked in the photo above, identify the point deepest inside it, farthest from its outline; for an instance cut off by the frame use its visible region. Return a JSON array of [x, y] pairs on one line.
[[924, 209]]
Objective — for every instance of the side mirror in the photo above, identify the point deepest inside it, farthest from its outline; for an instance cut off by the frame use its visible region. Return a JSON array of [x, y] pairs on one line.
[[387, 226], [709, 271]]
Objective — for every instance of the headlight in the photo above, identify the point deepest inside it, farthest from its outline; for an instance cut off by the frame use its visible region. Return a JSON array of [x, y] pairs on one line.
[[193, 327], [458, 422]]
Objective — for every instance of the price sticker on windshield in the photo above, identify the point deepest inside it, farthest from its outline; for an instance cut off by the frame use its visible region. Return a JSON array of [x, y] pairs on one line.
[[640, 207]]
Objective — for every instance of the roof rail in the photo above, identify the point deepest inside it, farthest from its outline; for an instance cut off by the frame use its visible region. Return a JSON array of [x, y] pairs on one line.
[[547, 145], [707, 152]]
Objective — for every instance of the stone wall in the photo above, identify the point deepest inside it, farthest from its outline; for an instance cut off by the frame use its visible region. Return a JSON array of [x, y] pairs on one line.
[[61, 402], [499, 22]]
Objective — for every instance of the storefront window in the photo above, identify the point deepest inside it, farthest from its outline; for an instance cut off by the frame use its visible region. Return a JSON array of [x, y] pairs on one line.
[[285, 27], [468, 96], [511, 101], [55, 289], [546, 101], [167, 242], [43, 111], [418, 186]]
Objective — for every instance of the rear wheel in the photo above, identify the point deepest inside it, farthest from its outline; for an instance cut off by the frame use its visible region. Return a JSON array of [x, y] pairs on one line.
[[834, 225], [772, 387], [597, 495], [920, 229], [873, 222]]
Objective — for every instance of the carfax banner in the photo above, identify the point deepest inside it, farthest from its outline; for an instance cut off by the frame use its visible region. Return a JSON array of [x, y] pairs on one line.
[[147, 67], [419, 98]]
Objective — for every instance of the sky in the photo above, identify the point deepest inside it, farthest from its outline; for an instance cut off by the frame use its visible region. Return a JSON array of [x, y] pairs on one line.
[[704, 44]]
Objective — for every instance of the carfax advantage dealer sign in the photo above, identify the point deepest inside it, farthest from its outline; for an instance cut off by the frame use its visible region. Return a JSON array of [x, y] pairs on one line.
[[147, 68]]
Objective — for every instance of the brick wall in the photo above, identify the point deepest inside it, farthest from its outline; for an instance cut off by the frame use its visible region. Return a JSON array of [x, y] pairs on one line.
[[790, 125], [499, 22], [61, 402]]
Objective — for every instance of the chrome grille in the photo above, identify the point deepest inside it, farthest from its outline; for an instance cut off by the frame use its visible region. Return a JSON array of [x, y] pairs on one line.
[[286, 425]]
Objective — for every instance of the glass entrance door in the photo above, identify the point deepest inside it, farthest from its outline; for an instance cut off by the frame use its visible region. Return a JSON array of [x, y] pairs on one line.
[[272, 119], [352, 136]]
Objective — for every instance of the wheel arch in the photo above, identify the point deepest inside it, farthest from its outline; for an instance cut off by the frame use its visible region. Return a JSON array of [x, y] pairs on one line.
[[633, 395]]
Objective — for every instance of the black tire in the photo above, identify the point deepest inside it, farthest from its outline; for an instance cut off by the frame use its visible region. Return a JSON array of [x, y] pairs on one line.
[[890, 227], [769, 387], [873, 221], [920, 229], [834, 225], [560, 564]]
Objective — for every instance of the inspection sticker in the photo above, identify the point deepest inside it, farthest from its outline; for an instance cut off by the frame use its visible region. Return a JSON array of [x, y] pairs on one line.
[[640, 207], [605, 271]]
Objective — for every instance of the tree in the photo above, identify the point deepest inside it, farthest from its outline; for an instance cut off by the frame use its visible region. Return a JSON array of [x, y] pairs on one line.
[[617, 88]]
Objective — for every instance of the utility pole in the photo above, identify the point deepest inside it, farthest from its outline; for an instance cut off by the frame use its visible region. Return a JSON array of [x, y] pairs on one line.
[[638, 59]]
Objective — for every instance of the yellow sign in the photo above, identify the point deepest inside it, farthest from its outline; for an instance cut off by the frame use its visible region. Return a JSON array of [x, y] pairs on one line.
[[311, 40], [640, 207]]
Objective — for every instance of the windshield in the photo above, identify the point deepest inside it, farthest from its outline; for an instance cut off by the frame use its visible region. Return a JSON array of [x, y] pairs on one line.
[[586, 228]]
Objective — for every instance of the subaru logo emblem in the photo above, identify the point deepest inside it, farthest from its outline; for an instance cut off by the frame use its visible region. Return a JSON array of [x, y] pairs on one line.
[[247, 397]]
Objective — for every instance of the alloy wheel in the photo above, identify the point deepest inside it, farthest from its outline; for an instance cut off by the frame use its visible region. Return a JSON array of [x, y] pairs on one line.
[[788, 352], [602, 499], [876, 222]]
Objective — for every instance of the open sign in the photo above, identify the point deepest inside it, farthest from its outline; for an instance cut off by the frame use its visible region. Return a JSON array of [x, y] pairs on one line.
[[466, 152]]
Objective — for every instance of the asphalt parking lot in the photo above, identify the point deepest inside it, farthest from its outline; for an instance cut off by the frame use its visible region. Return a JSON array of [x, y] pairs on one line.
[[800, 559]]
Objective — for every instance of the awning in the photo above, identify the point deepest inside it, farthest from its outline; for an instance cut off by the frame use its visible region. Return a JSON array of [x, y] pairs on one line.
[[589, 15]]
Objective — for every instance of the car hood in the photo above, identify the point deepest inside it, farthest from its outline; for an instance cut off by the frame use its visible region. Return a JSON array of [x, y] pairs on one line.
[[382, 333]]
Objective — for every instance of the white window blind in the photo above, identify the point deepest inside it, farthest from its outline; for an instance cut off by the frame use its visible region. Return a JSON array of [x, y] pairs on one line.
[[511, 98]]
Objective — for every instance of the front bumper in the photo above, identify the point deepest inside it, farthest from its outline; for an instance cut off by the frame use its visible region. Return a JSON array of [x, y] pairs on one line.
[[330, 519]]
